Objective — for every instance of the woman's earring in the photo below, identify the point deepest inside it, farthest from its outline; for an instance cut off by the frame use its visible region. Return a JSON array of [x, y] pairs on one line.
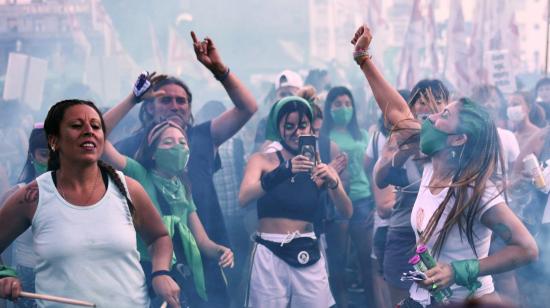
[[453, 153]]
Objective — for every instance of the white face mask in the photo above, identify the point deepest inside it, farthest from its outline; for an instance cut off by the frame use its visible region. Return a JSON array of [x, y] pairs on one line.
[[515, 113]]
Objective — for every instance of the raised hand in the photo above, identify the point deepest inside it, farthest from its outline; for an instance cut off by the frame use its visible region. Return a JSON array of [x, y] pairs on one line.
[[143, 87], [208, 55], [340, 162], [362, 38]]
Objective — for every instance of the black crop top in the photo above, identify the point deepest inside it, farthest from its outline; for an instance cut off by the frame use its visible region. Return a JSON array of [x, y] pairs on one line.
[[296, 198]]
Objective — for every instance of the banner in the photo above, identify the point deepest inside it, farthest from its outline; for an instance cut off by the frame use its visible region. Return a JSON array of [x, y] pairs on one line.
[[25, 79]]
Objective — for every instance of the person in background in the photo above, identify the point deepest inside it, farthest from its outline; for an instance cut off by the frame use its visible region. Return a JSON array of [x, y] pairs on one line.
[[85, 217], [340, 124], [402, 167], [227, 181], [493, 100], [175, 98], [533, 207], [287, 83], [518, 113], [24, 256], [542, 99]]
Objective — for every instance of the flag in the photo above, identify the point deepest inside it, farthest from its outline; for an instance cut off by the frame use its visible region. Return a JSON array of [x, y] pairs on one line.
[[494, 29], [409, 70], [456, 64]]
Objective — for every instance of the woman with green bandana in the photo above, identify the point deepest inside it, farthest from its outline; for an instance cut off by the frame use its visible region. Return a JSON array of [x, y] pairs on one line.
[[287, 268], [160, 167], [458, 205], [25, 258], [341, 126]]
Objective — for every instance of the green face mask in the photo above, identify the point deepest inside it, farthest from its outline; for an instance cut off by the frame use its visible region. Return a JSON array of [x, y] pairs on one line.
[[172, 160], [39, 167], [342, 116], [432, 140]]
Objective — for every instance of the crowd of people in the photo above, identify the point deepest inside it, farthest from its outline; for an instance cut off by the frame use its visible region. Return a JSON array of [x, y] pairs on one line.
[[296, 205]]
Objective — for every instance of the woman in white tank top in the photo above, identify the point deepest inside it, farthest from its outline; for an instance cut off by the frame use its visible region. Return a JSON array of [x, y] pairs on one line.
[[458, 206], [84, 217]]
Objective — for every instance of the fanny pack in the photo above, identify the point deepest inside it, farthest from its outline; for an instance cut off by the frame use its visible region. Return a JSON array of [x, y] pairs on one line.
[[300, 252]]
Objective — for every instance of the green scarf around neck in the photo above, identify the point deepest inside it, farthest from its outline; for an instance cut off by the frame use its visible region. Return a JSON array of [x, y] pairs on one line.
[[175, 195]]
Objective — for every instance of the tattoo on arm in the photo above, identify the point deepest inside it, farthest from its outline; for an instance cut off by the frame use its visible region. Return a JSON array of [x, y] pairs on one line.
[[31, 194], [504, 232]]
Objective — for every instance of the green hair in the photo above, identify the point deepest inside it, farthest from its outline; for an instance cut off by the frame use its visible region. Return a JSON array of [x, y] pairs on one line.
[[476, 166]]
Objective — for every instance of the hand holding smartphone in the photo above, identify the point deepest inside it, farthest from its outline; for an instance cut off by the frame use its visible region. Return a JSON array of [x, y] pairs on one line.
[[308, 147]]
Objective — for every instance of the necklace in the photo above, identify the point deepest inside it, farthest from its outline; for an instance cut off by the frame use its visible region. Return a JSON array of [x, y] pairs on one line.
[[89, 195]]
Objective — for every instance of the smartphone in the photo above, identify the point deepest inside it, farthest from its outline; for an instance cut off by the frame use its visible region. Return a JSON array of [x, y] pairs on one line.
[[308, 147]]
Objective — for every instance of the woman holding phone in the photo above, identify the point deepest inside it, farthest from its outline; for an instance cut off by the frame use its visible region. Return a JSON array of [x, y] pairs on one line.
[[287, 268]]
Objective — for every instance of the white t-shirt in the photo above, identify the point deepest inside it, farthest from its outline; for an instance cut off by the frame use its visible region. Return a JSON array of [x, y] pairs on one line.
[[510, 147], [456, 247]]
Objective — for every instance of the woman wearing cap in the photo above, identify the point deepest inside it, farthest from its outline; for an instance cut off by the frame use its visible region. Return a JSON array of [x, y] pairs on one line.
[[160, 166], [287, 268], [458, 204], [36, 164]]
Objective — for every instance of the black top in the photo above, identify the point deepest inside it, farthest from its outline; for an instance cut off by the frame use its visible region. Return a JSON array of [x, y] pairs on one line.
[[296, 198]]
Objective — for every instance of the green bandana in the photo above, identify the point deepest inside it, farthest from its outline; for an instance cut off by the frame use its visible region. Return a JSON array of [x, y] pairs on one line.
[[175, 195], [466, 272], [432, 140], [272, 127], [39, 167], [6, 271], [172, 160], [342, 115]]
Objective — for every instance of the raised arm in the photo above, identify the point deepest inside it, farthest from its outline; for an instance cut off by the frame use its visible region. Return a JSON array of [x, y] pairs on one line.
[[142, 90], [228, 123], [153, 232], [393, 106]]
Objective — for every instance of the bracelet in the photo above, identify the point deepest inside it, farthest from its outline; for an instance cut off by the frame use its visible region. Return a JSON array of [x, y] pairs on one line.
[[159, 273], [335, 186], [360, 55], [223, 77]]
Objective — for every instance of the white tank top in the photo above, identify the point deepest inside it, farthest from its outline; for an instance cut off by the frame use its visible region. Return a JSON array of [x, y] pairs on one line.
[[87, 252]]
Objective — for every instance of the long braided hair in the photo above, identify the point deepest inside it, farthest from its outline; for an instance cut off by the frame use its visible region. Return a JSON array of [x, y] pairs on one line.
[[476, 167], [51, 127]]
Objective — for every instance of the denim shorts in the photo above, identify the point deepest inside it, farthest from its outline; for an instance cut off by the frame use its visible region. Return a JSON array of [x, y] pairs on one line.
[[400, 243], [362, 209]]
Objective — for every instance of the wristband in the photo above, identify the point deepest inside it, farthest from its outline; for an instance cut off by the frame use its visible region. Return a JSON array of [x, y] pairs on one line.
[[142, 85], [6, 271], [159, 273], [336, 185], [465, 274], [223, 77], [277, 176]]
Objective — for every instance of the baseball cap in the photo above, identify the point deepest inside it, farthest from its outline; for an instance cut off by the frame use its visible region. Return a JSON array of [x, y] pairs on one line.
[[288, 78]]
